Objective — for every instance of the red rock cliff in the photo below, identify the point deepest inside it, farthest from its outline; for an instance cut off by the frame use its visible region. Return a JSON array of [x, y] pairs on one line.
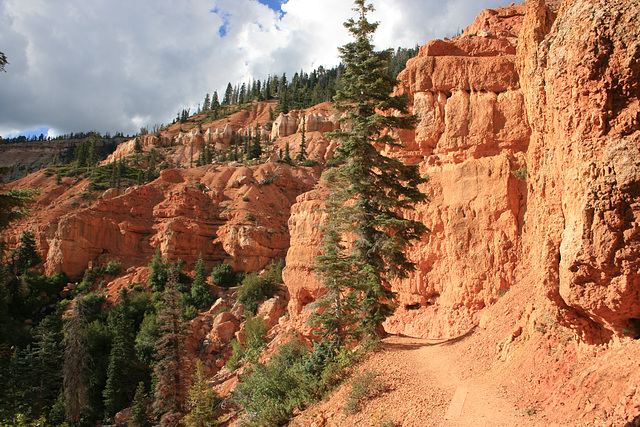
[[529, 131]]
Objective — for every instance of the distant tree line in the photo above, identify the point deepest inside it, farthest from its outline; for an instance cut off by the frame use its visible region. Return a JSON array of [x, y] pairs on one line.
[[302, 91], [69, 136]]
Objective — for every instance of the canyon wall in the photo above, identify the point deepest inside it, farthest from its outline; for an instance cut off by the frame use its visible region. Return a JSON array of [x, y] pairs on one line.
[[232, 214], [528, 129]]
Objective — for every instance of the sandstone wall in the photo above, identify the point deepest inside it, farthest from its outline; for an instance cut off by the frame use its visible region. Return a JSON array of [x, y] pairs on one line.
[[529, 129], [582, 95], [232, 214]]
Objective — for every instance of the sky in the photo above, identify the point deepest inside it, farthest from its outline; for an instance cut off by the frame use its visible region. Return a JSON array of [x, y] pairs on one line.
[[117, 65]]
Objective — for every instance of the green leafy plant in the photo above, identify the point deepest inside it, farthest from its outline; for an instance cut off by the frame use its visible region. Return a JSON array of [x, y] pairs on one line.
[[113, 268], [223, 275], [253, 290], [521, 173]]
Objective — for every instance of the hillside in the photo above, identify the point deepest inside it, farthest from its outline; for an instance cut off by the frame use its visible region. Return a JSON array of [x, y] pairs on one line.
[[525, 304]]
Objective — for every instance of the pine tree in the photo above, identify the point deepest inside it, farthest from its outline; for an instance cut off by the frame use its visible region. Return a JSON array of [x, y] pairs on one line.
[[3, 61], [378, 188], [123, 370], [215, 101], [26, 255], [170, 391], [139, 416], [137, 147], [48, 362], [150, 175], [200, 291], [158, 272], [302, 155], [75, 369], [206, 105], [287, 153], [202, 401], [255, 150]]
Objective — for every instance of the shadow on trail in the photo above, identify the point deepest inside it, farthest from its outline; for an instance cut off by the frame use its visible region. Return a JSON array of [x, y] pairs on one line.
[[404, 342]]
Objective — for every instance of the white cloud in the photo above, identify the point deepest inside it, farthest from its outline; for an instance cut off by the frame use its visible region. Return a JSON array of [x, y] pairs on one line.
[[111, 65]]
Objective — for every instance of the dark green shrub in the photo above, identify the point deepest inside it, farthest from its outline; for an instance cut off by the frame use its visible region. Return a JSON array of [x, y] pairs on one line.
[[91, 305], [113, 268], [224, 276], [253, 290]]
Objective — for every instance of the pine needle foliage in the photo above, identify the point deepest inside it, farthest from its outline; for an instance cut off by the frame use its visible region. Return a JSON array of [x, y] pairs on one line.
[[367, 233], [171, 386]]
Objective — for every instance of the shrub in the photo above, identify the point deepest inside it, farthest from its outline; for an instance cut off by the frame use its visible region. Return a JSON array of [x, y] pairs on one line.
[[236, 357], [223, 275], [253, 290], [250, 217], [91, 305], [274, 274], [256, 332], [271, 393], [113, 268], [521, 173]]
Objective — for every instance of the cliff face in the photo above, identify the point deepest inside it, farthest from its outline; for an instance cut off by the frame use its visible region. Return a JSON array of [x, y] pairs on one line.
[[228, 213], [529, 132]]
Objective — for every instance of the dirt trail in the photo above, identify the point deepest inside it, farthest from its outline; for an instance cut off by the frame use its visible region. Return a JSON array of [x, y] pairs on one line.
[[472, 400], [428, 383]]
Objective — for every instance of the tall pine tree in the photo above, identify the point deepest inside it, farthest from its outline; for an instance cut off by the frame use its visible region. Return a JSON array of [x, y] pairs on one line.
[[124, 367], [377, 189], [171, 385], [75, 369]]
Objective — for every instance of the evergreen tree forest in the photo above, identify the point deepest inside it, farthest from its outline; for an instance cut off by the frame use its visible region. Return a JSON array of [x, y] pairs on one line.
[[300, 91], [67, 357]]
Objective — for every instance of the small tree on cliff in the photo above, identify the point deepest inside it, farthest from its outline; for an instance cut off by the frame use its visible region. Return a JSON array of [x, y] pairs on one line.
[[376, 189], [303, 152], [200, 291]]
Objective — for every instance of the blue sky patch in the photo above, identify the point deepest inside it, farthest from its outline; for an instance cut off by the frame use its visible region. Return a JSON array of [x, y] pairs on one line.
[[222, 30], [274, 4]]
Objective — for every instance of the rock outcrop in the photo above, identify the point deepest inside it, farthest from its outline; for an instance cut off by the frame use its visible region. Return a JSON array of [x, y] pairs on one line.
[[582, 95], [233, 214], [528, 128], [471, 135]]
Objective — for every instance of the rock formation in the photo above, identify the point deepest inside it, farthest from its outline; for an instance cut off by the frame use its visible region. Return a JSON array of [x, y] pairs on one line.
[[528, 128]]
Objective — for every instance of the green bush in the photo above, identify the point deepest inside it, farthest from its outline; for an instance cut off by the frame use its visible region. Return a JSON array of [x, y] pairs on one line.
[[224, 276], [91, 305], [253, 290], [256, 332], [292, 379], [236, 357], [113, 268], [271, 393]]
